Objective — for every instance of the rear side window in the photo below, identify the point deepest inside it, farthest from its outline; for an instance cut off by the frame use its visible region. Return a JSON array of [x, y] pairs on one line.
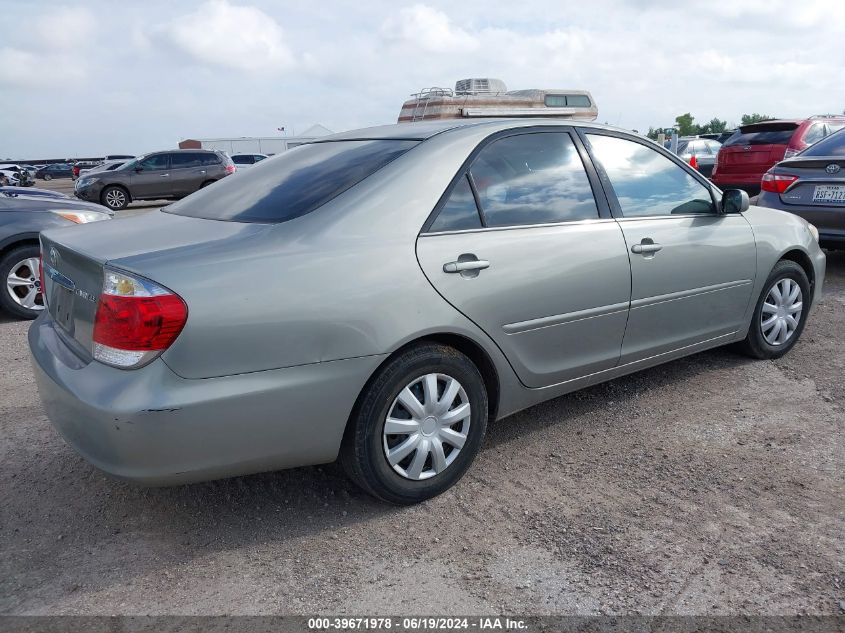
[[210, 159], [763, 134], [833, 145], [459, 213], [532, 179], [646, 182], [184, 160], [814, 134], [292, 184]]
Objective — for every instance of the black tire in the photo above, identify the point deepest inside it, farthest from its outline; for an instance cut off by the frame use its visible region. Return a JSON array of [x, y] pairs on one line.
[[8, 261], [206, 183], [48, 177], [115, 198], [363, 451], [755, 344]]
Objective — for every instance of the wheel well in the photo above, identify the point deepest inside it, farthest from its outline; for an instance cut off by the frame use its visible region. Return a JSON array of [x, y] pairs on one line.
[[205, 183], [13, 245], [475, 353], [802, 259]]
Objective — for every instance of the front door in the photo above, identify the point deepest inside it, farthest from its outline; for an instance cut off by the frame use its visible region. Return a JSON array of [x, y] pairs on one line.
[[521, 247], [692, 269], [151, 177]]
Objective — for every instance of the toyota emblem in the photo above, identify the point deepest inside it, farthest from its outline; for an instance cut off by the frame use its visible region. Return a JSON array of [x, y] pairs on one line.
[[54, 255], [833, 168]]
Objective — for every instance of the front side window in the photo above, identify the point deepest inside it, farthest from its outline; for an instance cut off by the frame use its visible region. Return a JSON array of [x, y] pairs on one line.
[[292, 184], [157, 161], [534, 178], [646, 182], [459, 213]]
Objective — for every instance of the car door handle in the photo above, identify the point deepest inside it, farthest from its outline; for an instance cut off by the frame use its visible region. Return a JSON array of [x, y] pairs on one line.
[[645, 248], [459, 267], [163, 175]]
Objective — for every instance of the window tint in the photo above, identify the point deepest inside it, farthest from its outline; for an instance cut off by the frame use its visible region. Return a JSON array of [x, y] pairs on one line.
[[209, 158], [157, 161], [184, 160], [763, 134], [833, 145], [242, 159], [258, 157], [459, 212], [292, 184], [532, 179], [646, 182]]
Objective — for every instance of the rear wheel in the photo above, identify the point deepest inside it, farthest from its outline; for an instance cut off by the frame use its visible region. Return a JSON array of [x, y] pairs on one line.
[[21, 295], [115, 198], [780, 314], [418, 425], [48, 177], [206, 183]]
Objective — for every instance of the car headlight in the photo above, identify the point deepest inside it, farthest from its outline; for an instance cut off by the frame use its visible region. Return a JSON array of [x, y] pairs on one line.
[[84, 182], [81, 217], [813, 231]]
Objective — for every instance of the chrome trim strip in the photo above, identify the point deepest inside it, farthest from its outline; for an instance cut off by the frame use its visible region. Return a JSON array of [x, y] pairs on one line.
[[683, 294], [485, 229], [560, 319]]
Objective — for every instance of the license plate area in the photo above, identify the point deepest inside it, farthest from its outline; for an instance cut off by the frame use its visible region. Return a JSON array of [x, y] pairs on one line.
[[61, 306], [829, 193]]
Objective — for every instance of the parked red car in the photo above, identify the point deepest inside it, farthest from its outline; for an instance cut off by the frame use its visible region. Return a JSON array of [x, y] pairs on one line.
[[753, 149]]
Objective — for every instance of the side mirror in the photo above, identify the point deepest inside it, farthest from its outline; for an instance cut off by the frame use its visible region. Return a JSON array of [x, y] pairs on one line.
[[735, 201], [138, 168]]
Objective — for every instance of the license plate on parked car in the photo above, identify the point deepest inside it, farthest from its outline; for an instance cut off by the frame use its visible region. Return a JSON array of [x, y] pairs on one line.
[[829, 193]]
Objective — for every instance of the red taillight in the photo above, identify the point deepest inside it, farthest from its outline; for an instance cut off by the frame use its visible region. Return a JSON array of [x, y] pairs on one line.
[[136, 320], [776, 183], [230, 169]]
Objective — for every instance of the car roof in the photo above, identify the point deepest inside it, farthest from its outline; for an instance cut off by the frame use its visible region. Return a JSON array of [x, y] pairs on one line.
[[421, 130]]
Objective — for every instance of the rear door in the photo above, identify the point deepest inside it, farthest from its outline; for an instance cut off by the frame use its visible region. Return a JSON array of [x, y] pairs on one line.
[[692, 270], [521, 245], [187, 173], [753, 149], [151, 177]]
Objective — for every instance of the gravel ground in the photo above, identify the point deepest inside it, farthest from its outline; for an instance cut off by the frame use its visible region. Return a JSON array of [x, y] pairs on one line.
[[711, 485]]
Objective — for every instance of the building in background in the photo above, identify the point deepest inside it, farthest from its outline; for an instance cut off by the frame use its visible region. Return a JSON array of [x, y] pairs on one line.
[[488, 97], [256, 144]]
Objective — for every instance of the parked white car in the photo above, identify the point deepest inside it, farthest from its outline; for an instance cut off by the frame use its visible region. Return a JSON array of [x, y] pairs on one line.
[[244, 161]]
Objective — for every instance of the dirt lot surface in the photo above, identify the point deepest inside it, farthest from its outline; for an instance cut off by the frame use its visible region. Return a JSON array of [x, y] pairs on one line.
[[711, 485]]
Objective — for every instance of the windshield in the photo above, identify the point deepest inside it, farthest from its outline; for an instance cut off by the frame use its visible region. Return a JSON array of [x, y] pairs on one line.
[[833, 145], [293, 183]]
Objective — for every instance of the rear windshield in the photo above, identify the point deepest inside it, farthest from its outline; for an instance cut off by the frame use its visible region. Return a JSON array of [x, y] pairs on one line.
[[763, 134], [293, 183], [833, 145]]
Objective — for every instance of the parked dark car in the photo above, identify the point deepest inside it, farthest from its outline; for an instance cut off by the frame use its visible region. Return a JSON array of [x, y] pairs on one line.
[[754, 149], [22, 218], [704, 150], [812, 185], [161, 175], [33, 191], [58, 170]]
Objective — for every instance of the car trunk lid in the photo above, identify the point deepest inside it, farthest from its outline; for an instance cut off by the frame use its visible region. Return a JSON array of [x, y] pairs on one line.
[[821, 181], [74, 259]]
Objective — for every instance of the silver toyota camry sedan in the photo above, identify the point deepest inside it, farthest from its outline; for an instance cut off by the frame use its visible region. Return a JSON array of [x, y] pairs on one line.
[[380, 295]]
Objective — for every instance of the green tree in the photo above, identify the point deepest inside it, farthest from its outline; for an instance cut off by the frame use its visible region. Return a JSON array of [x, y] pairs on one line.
[[652, 133], [715, 126], [685, 124], [748, 119]]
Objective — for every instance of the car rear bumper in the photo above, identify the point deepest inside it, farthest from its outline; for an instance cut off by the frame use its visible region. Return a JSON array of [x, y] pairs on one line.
[[830, 221], [153, 427], [737, 181]]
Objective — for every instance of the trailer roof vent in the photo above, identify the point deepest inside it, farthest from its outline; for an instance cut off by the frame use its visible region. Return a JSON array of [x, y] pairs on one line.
[[480, 86]]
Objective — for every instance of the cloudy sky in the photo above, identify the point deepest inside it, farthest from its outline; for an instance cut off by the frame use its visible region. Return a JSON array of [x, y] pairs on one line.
[[96, 77]]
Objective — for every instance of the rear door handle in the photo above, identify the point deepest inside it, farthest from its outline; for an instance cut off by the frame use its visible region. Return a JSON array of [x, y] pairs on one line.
[[459, 267], [163, 175]]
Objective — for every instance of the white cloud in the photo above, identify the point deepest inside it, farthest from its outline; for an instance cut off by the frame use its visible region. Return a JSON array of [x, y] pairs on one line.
[[239, 37], [25, 69], [427, 29], [66, 28]]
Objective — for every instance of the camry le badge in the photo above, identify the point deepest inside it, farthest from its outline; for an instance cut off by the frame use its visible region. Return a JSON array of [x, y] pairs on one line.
[[833, 168]]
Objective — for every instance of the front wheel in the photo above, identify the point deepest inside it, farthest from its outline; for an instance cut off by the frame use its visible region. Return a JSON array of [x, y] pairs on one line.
[[48, 177], [780, 314], [417, 426], [114, 198]]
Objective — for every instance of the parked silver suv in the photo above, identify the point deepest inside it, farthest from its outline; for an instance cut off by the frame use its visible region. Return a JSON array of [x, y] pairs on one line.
[[161, 175]]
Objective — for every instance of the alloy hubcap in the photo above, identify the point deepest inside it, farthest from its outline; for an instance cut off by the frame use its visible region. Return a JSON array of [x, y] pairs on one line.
[[24, 284], [781, 312], [426, 426], [115, 198]]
